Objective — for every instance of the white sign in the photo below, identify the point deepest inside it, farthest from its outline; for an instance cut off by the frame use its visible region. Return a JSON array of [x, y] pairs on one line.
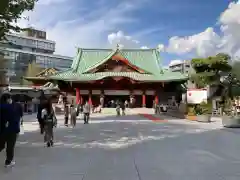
[[96, 92], [84, 92], [197, 96], [116, 92], [137, 92], [150, 92]]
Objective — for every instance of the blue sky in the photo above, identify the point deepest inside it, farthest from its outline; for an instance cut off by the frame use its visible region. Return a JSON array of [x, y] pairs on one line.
[[201, 27]]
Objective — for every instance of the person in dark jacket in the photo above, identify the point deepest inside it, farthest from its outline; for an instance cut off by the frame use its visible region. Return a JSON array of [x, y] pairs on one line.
[[42, 101], [9, 127], [39, 117], [19, 109]]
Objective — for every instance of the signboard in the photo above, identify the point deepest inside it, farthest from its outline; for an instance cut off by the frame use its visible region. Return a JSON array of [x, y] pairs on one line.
[[137, 92], [116, 92], [150, 92], [96, 92], [84, 92], [196, 96]]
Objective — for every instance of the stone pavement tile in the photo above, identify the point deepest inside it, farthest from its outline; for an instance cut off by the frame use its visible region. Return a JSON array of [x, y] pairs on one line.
[[112, 165], [47, 164], [127, 150], [186, 157]]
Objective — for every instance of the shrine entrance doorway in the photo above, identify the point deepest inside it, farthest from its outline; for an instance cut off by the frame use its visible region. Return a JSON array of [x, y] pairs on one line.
[[108, 99]]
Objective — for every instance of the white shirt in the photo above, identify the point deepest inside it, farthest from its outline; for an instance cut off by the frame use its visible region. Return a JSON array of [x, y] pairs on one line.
[[44, 113]]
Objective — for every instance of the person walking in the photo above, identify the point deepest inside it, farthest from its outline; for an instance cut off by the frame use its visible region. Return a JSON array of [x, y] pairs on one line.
[[86, 112], [50, 121], [66, 114], [73, 115], [9, 127], [118, 107], [42, 101], [123, 107], [19, 109]]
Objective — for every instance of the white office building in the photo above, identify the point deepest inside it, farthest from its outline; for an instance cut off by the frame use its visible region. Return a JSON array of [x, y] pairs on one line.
[[183, 66], [28, 47], [180, 66]]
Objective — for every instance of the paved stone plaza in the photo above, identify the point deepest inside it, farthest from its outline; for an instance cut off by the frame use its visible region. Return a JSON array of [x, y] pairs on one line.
[[127, 148]]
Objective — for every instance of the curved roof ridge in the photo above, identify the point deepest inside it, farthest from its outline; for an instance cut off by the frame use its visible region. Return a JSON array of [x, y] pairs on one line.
[[101, 61], [112, 49]]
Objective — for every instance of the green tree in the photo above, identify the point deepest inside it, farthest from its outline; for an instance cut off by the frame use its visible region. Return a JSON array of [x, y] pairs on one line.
[[209, 70], [10, 12], [234, 79], [236, 69]]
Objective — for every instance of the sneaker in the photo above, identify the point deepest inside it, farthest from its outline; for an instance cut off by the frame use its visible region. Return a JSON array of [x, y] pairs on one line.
[[10, 165], [48, 144]]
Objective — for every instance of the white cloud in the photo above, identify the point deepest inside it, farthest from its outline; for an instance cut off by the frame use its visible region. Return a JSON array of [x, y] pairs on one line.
[[175, 62], [161, 47], [124, 41], [72, 25], [48, 2], [144, 47], [209, 42]]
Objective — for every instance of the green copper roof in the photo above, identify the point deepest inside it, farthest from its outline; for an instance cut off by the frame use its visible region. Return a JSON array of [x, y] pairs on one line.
[[87, 59], [75, 76], [145, 59]]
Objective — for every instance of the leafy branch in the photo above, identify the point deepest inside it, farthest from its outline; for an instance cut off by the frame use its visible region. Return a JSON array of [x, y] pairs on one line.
[[208, 70], [10, 12]]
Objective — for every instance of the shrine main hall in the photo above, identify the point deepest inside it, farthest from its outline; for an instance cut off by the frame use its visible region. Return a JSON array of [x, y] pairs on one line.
[[118, 74]]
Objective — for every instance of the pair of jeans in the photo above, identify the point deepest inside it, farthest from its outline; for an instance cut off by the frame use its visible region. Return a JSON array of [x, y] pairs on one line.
[[86, 117], [8, 141]]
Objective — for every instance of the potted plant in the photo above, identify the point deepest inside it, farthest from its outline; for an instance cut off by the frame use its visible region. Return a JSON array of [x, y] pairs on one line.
[[191, 115], [203, 112], [230, 118]]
